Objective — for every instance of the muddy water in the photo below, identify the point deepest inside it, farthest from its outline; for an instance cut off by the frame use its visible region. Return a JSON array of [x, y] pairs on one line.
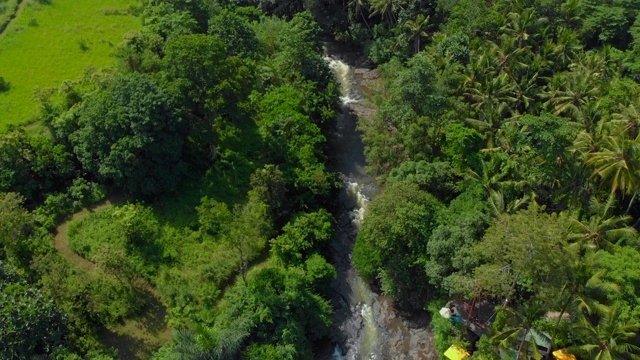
[[366, 325]]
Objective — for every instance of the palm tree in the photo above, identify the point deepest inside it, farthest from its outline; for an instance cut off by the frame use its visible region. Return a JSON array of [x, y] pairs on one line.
[[581, 283], [569, 93], [384, 8], [493, 180], [617, 162], [520, 332], [522, 26], [602, 230], [417, 30], [358, 5], [609, 338], [628, 119], [203, 343], [566, 48], [491, 99]]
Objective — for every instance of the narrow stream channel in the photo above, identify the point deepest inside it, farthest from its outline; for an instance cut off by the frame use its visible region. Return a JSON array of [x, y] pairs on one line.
[[356, 334], [366, 325]]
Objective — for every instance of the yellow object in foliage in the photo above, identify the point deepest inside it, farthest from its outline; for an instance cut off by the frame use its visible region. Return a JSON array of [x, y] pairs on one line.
[[561, 355], [456, 353]]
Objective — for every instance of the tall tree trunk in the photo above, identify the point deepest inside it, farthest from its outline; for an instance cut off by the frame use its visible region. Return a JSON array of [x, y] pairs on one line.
[[524, 339], [555, 329]]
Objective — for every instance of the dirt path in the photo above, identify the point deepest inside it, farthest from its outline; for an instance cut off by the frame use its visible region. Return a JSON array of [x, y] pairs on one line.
[[61, 240], [21, 6], [139, 336]]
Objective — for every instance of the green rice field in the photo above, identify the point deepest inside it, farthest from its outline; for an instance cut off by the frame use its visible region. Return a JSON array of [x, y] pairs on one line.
[[49, 43]]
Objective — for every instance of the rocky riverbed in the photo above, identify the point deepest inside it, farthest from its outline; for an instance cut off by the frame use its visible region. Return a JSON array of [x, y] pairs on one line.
[[366, 324]]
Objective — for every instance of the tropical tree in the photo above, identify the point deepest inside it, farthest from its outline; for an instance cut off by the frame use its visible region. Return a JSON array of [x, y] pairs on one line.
[[358, 5], [628, 119], [581, 284], [570, 92], [519, 331], [15, 225], [523, 26], [385, 9], [616, 162], [247, 232], [526, 251], [131, 135], [609, 337], [602, 229], [417, 30]]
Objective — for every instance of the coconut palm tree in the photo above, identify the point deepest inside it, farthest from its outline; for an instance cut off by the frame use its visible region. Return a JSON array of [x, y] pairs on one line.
[[523, 26], [581, 284], [384, 8], [602, 230], [491, 99], [358, 5], [608, 338], [569, 93], [628, 119], [417, 30], [616, 162], [567, 46], [519, 331]]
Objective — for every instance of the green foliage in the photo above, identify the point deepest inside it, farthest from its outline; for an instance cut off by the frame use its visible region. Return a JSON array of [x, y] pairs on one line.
[[607, 337], [295, 140], [608, 22], [213, 215], [394, 239], [302, 236], [33, 165], [268, 186], [32, 326], [235, 32], [449, 256], [619, 269], [519, 251], [437, 178], [89, 299], [131, 136], [130, 228], [4, 85], [462, 146], [319, 273], [167, 21], [139, 51], [210, 82], [275, 309], [16, 224]]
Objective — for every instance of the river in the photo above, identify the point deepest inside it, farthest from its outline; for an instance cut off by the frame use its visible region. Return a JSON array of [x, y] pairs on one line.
[[366, 324]]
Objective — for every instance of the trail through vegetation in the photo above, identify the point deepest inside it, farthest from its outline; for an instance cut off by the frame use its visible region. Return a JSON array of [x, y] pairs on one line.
[[21, 5], [139, 336], [61, 240]]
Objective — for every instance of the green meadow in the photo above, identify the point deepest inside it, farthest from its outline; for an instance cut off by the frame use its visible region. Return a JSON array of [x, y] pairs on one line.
[[48, 44], [7, 10]]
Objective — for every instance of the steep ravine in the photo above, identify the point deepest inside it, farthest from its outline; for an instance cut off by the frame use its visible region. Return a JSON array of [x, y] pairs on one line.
[[366, 324]]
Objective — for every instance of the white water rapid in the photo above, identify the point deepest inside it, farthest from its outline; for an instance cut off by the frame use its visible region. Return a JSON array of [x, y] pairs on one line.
[[358, 335], [366, 325]]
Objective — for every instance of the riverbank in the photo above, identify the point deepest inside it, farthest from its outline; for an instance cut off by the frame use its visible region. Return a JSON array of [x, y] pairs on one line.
[[366, 324]]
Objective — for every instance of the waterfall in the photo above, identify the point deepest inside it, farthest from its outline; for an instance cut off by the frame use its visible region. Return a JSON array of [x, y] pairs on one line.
[[362, 336], [366, 325]]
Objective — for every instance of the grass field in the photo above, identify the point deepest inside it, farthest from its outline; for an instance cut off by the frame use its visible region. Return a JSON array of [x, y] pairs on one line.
[[7, 10], [47, 44]]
